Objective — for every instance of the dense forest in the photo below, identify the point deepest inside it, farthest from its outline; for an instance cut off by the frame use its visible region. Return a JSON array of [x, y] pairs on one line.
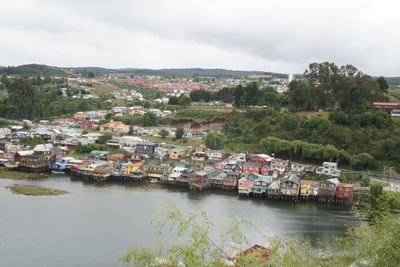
[[348, 130], [40, 98]]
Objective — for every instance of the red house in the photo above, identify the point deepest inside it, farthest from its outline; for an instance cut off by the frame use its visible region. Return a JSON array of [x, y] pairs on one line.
[[344, 191], [251, 167], [260, 158]]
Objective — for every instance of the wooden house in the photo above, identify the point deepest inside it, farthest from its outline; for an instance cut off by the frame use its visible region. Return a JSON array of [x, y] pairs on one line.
[[218, 179], [145, 147], [161, 152], [102, 172], [290, 186], [251, 167], [131, 168], [220, 166], [201, 180], [230, 181], [99, 154], [114, 127], [199, 153], [273, 190], [327, 189], [263, 159], [114, 142], [215, 154], [155, 170], [178, 175], [245, 186], [329, 169], [344, 193], [279, 164], [260, 185], [33, 162], [5, 145], [237, 158], [306, 188], [116, 157], [177, 153]]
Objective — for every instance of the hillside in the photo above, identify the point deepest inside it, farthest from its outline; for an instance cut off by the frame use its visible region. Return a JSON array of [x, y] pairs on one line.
[[44, 70], [33, 70]]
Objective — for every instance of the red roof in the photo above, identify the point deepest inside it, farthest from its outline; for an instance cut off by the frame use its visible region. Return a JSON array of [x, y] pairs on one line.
[[385, 104]]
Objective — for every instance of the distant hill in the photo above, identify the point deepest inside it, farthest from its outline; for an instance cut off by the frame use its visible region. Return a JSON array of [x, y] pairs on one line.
[[393, 81], [190, 72], [44, 70], [33, 70]]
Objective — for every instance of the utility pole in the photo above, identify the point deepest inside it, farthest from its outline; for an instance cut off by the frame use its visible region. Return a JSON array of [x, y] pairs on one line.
[[390, 169]]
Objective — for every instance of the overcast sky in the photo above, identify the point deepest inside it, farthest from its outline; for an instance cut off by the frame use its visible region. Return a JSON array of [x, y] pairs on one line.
[[270, 35]]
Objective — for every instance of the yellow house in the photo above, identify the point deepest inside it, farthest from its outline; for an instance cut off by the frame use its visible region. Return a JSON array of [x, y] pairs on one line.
[[199, 153], [177, 153], [132, 167], [305, 188]]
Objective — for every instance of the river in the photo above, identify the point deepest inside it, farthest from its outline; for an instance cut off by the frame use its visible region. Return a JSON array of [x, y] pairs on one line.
[[95, 224]]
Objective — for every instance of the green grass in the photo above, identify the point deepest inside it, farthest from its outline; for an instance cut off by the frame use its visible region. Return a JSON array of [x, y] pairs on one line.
[[33, 190], [78, 155], [394, 94], [178, 142], [5, 174], [393, 199]]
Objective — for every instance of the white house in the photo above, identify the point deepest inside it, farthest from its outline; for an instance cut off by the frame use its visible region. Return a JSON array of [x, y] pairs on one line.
[[329, 168], [129, 141], [177, 172], [215, 154]]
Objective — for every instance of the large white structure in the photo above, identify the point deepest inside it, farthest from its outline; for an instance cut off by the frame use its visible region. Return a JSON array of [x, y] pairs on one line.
[[329, 168]]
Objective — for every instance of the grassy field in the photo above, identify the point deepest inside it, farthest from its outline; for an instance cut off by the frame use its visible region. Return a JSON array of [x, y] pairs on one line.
[[5, 174], [178, 142], [104, 89], [32, 190], [394, 94]]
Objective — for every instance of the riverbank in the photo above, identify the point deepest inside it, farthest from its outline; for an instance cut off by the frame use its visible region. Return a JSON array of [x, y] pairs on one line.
[[18, 175], [34, 190]]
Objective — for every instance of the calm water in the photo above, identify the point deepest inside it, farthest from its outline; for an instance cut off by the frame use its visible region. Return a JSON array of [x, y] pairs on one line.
[[94, 225]]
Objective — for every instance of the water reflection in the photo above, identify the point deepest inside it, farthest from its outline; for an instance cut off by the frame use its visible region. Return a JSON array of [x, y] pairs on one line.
[[95, 223]]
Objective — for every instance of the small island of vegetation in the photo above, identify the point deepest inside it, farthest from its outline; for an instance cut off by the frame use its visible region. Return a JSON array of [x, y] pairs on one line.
[[33, 190]]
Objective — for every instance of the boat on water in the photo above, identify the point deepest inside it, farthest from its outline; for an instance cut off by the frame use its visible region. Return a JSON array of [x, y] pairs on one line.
[[153, 181]]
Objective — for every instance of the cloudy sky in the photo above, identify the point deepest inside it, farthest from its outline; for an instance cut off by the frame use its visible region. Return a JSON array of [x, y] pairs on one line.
[[270, 35]]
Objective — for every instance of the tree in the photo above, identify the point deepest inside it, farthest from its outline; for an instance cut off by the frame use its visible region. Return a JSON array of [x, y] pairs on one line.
[[184, 100], [383, 85], [200, 95], [173, 100], [149, 119], [31, 141], [363, 245], [200, 248], [91, 74], [105, 138], [214, 140], [163, 133], [179, 132], [108, 116]]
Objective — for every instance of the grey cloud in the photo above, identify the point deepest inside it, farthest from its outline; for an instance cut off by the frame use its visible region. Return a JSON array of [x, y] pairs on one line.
[[268, 35]]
